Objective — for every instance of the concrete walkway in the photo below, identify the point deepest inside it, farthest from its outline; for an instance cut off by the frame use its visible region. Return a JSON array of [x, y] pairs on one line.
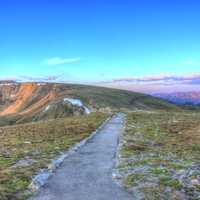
[[87, 174]]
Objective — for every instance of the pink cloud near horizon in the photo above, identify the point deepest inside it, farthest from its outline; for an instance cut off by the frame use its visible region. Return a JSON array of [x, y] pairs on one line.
[[164, 83]]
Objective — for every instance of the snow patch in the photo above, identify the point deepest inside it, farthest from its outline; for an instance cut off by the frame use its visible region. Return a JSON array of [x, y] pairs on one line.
[[39, 84], [7, 84], [87, 110], [77, 102], [47, 108]]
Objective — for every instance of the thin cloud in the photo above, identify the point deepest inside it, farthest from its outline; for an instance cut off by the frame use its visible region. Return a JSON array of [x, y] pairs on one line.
[[156, 83], [8, 79], [39, 79], [162, 78], [60, 61], [190, 62]]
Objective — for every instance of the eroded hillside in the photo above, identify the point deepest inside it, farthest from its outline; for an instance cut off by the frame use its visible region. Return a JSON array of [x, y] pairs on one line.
[[25, 102]]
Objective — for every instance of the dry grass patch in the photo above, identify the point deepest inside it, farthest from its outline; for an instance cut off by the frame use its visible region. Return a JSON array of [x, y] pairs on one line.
[[24, 149]]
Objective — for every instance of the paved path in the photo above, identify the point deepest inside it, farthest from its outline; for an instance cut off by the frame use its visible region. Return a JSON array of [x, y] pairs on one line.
[[87, 174]]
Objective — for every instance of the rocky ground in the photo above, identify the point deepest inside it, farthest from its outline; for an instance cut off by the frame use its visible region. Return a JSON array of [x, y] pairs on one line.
[[159, 156]]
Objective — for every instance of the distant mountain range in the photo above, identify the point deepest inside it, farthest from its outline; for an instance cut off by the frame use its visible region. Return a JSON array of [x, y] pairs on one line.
[[182, 98]]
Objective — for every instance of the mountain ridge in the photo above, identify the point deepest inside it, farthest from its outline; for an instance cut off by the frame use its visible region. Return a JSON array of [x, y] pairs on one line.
[[24, 102], [182, 98]]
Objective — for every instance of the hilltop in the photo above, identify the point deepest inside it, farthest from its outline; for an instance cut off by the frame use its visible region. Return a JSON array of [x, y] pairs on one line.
[[25, 102]]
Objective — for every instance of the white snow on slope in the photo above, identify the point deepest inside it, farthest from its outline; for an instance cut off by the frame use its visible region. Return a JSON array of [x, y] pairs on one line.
[[77, 102], [47, 108]]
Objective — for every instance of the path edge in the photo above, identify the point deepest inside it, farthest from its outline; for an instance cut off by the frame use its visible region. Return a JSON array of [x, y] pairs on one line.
[[116, 175], [41, 178]]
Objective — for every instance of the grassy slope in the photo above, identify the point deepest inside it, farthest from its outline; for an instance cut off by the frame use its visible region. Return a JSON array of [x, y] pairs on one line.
[[161, 154], [52, 136], [101, 97], [37, 143], [94, 97]]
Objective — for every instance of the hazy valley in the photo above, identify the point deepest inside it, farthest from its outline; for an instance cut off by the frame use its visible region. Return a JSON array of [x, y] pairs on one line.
[[181, 98]]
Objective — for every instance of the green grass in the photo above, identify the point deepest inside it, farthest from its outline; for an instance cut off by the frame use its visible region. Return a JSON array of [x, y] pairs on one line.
[[133, 178], [38, 142], [100, 97], [162, 145], [168, 182]]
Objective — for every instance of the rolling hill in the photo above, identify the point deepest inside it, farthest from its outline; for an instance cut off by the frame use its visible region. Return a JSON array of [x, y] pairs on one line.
[[26, 102]]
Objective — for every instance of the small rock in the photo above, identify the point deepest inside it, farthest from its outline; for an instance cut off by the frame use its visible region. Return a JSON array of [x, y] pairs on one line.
[[168, 190], [36, 152], [24, 163], [115, 176], [195, 182], [27, 142], [6, 154], [178, 195], [39, 181]]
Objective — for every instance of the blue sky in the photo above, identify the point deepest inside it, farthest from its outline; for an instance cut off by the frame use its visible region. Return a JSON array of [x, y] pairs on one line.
[[97, 40]]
